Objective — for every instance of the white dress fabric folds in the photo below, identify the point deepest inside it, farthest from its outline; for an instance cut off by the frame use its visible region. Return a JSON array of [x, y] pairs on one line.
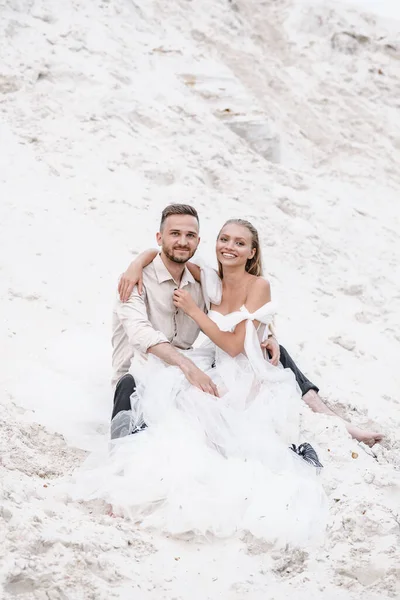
[[213, 466]]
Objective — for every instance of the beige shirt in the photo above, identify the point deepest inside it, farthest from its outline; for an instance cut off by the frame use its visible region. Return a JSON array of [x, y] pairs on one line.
[[152, 318]]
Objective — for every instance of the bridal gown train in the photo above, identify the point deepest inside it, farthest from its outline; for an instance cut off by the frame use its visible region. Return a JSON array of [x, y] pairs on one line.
[[213, 466]]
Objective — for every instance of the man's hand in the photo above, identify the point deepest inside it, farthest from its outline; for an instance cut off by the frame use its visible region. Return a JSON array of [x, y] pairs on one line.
[[272, 346], [132, 276], [193, 374], [199, 379]]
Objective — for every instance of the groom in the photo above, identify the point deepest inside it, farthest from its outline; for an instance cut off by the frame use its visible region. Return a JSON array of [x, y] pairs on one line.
[[150, 323]]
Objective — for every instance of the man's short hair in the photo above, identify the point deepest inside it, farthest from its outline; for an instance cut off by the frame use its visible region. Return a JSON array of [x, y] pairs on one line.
[[178, 209]]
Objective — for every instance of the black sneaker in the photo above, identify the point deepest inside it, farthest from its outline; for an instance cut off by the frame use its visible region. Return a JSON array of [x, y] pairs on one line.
[[307, 453]]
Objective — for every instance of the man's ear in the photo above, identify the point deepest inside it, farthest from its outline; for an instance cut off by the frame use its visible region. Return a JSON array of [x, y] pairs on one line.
[[158, 238]]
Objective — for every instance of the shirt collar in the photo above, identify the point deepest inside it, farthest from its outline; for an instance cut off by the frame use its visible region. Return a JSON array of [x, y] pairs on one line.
[[164, 275]]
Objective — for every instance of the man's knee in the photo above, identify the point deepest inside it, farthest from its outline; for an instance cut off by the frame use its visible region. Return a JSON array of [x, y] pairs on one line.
[[125, 384], [122, 396]]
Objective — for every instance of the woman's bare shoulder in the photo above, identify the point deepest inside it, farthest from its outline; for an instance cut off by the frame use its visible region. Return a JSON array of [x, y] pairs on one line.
[[260, 285], [259, 293]]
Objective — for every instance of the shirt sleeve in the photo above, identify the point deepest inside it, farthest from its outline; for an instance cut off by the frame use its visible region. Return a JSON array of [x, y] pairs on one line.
[[135, 321]]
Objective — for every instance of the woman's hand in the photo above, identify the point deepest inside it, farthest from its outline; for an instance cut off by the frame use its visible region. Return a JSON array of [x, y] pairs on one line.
[[272, 347], [132, 276], [183, 300]]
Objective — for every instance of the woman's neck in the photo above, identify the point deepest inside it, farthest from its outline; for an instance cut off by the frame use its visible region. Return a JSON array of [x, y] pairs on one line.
[[233, 278]]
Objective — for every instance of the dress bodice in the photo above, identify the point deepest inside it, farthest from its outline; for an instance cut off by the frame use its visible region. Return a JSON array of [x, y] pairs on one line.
[[218, 318], [252, 349], [212, 291]]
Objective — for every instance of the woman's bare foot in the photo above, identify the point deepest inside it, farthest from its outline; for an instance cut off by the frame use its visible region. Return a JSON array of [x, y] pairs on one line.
[[370, 438]]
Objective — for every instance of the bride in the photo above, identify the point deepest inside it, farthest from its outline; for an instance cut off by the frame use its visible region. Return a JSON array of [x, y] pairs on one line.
[[216, 465]]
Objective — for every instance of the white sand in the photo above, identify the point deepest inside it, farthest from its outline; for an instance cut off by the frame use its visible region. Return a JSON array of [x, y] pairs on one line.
[[285, 112]]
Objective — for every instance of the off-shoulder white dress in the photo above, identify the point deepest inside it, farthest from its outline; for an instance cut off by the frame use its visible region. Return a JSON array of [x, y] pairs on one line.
[[214, 466]]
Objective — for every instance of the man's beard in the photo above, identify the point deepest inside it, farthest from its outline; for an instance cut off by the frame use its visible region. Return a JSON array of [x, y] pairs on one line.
[[177, 259]]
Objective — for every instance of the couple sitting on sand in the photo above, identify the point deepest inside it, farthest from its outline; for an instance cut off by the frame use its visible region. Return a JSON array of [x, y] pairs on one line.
[[214, 427]]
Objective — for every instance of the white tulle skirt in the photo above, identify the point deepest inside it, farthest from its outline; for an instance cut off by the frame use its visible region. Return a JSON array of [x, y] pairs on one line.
[[211, 466]]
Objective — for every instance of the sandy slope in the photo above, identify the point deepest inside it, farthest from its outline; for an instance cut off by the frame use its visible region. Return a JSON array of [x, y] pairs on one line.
[[284, 112]]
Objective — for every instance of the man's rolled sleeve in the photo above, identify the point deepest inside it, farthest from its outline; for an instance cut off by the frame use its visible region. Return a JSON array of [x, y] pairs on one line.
[[134, 318]]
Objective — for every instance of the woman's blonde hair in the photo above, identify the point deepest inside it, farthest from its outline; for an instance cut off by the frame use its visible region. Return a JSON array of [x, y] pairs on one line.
[[253, 265]]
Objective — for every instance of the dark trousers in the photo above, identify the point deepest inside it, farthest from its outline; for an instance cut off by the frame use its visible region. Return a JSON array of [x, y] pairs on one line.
[[288, 363], [122, 396], [126, 385]]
